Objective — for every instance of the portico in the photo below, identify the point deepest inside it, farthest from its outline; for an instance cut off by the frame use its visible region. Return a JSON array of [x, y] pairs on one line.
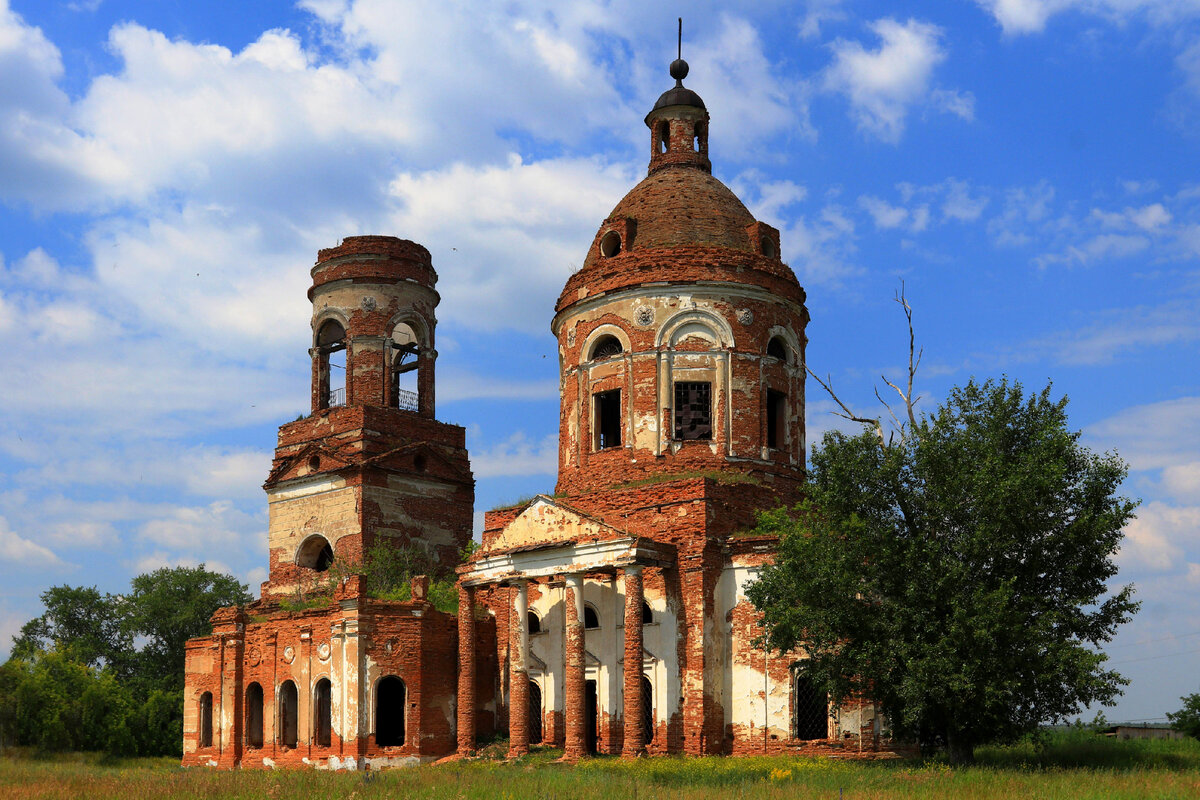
[[551, 544]]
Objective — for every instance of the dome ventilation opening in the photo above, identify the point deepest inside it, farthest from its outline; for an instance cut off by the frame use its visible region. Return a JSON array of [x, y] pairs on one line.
[[768, 247], [610, 244]]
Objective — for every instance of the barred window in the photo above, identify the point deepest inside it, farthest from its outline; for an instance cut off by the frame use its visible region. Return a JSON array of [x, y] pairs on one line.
[[693, 410], [810, 709]]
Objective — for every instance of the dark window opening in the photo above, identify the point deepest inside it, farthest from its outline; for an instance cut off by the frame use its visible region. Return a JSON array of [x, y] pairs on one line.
[[206, 719], [405, 361], [591, 621], [535, 624], [323, 713], [608, 419], [768, 246], [810, 710], [647, 614], [701, 137], [647, 711], [254, 715], [390, 699], [606, 347], [693, 410], [316, 553], [288, 714], [777, 349], [776, 418], [610, 244], [664, 136], [535, 713], [331, 366]]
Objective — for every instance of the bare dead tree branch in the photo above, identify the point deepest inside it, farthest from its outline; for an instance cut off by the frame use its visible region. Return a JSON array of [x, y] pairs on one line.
[[906, 394], [846, 413]]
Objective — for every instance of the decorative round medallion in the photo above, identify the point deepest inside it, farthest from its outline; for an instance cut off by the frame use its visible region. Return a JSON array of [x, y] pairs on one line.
[[368, 303], [644, 316], [289, 654], [323, 651], [745, 316], [254, 655]]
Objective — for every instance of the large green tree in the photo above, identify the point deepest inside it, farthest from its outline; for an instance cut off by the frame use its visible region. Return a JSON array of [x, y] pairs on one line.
[[957, 574], [1187, 719], [78, 680]]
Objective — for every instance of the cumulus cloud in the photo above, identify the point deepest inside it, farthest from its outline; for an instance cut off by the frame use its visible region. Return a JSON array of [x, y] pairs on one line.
[[1154, 435], [1030, 16], [516, 455], [882, 85], [1160, 535], [18, 550]]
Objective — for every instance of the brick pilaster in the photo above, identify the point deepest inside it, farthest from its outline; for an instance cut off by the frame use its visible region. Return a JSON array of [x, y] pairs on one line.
[[574, 711], [634, 744], [466, 670], [518, 673]]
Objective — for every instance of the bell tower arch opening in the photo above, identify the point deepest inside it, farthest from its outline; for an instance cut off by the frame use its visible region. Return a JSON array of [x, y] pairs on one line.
[[329, 364]]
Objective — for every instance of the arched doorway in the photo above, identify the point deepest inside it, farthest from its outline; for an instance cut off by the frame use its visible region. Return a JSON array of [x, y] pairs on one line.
[[535, 713], [254, 715], [206, 719], [810, 710], [288, 714], [390, 699], [322, 713]]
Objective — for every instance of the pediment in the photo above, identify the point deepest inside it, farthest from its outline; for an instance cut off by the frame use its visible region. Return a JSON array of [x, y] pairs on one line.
[[400, 459], [546, 522], [298, 465]]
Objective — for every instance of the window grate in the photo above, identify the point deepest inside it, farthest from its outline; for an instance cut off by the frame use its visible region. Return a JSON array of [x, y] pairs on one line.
[[693, 410]]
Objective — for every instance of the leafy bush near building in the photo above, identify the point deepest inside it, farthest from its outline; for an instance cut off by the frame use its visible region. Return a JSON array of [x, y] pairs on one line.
[[105, 672]]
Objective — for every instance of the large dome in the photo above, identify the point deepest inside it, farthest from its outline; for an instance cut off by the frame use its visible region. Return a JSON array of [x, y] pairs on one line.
[[675, 207]]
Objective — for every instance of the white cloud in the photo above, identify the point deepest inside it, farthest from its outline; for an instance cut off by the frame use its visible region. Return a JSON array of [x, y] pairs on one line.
[[17, 550], [1156, 539], [1152, 436], [883, 84], [1182, 481], [200, 529], [81, 533], [1030, 16], [817, 13], [517, 455], [885, 215], [959, 204]]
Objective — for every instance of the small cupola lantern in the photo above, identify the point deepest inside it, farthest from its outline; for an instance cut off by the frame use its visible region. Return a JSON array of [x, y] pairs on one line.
[[678, 123]]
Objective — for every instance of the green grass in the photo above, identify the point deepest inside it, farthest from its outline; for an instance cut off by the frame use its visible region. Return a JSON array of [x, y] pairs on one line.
[[1074, 766]]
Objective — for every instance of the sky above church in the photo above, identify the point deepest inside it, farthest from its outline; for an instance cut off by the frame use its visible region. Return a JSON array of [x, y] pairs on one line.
[[1026, 169]]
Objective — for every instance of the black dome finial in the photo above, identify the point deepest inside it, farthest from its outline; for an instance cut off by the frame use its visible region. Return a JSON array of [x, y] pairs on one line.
[[679, 67]]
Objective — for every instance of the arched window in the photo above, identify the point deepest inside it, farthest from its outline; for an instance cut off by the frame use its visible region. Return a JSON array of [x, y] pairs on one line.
[[322, 713], [700, 144], [331, 364], [776, 348], [647, 614], [406, 358], [810, 709], [591, 620], [664, 136], [647, 711], [390, 699], [610, 244], [534, 623], [316, 553], [206, 719], [254, 715], [288, 714], [606, 347], [535, 713]]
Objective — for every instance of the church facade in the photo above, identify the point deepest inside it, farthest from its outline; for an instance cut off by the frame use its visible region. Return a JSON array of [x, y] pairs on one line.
[[609, 617]]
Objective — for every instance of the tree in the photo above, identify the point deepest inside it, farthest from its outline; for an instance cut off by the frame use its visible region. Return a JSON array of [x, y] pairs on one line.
[[171, 605], [955, 573], [82, 623], [1187, 719]]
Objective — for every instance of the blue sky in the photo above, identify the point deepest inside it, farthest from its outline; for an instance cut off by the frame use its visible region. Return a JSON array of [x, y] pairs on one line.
[[168, 171]]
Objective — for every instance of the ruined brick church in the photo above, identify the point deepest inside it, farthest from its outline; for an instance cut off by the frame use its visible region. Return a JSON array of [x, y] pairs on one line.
[[609, 617]]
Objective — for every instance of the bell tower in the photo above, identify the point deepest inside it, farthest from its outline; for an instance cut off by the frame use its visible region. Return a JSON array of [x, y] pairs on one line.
[[370, 466]]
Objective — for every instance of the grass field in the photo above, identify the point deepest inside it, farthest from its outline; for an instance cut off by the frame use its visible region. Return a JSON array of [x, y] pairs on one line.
[[1073, 765]]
